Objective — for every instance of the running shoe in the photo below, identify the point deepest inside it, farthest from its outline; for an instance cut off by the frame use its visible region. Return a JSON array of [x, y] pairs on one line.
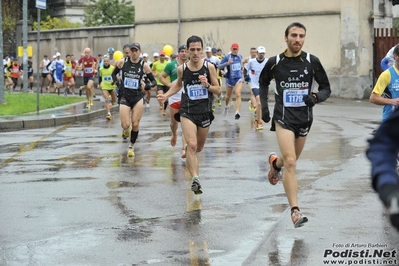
[[108, 116], [91, 103], [126, 133], [147, 105], [219, 102], [226, 110], [88, 106], [80, 92], [213, 108], [196, 186], [161, 107], [164, 112], [251, 106], [130, 151], [274, 175], [260, 126], [298, 219], [237, 116]]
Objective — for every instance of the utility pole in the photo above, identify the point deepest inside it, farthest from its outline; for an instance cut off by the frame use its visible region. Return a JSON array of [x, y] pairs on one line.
[[25, 44], [40, 4], [1, 56]]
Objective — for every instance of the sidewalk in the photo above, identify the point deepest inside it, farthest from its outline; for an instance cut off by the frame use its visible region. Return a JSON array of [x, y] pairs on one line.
[[56, 116], [70, 114]]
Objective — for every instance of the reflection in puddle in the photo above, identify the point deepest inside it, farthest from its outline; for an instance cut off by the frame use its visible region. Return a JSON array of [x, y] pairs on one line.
[[116, 184], [55, 179], [288, 251]]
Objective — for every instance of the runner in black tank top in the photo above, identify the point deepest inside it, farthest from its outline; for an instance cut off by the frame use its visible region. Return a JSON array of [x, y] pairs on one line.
[[200, 83], [131, 95]]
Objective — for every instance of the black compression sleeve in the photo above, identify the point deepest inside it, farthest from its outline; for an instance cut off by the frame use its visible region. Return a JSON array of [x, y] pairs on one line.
[[150, 76], [114, 73]]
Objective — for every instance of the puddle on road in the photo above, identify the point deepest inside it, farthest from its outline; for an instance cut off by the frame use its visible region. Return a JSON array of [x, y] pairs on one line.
[[288, 251], [55, 179], [118, 184]]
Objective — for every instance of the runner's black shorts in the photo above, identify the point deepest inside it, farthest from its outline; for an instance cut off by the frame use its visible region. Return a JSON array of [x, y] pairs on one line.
[[200, 120], [131, 98], [300, 130]]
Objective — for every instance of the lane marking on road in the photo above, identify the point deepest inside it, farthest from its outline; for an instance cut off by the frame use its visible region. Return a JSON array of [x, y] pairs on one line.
[[32, 145]]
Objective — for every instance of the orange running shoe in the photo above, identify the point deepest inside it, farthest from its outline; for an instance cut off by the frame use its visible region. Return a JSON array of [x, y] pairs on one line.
[[274, 175]]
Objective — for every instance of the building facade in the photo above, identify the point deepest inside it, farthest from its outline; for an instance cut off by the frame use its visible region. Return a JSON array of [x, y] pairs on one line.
[[338, 32]]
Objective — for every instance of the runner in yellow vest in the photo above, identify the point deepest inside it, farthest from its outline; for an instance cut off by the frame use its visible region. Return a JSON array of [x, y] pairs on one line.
[[106, 85]]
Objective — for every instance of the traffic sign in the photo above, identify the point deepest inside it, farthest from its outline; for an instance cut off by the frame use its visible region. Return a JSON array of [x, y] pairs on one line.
[[41, 4]]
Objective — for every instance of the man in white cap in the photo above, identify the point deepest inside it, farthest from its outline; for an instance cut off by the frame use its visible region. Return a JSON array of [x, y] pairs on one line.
[[147, 93], [253, 69], [58, 66], [209, 57]]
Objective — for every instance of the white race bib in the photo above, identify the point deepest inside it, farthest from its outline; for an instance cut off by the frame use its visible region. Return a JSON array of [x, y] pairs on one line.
[[130, 83], [197, 92], [236, 67], [107, 78], [89, 70], [294, 98]]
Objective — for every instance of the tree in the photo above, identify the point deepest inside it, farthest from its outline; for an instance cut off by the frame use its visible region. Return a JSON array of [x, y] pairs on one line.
[[55, 23], [12, 12], [108, 13]]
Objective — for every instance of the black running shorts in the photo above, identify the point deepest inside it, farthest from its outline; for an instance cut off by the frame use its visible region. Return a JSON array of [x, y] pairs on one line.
[[131, 100], [300, 130], [201, 120]]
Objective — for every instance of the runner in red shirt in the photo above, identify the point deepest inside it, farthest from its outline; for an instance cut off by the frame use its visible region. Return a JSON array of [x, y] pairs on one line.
[[88, 64]]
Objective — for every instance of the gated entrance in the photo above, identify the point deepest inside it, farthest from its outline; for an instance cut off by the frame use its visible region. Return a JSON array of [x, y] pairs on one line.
[[384, 39]]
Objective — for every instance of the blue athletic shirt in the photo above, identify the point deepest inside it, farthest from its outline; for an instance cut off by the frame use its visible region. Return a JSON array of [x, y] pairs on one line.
[[393, 89], [234, 68]]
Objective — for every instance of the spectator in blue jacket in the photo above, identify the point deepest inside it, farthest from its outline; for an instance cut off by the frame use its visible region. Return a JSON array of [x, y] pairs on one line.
[[382, 153]]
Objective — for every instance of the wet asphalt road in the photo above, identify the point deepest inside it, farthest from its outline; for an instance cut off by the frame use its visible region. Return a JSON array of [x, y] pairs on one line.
[[70, 196]]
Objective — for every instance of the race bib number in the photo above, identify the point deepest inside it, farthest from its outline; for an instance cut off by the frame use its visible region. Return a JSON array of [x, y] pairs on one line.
[[89, 70], [236, 67], [294, 98], [15, 70], [68, 68], [197, 92], [130, 83], [107, 78]]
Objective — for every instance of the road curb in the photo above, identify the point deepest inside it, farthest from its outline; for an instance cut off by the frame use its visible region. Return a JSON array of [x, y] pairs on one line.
[[15, 125]]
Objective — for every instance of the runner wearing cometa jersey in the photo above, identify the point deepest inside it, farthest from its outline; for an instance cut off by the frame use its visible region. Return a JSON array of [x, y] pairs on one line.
[[293, 71], [130, 94], [198, 78]]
